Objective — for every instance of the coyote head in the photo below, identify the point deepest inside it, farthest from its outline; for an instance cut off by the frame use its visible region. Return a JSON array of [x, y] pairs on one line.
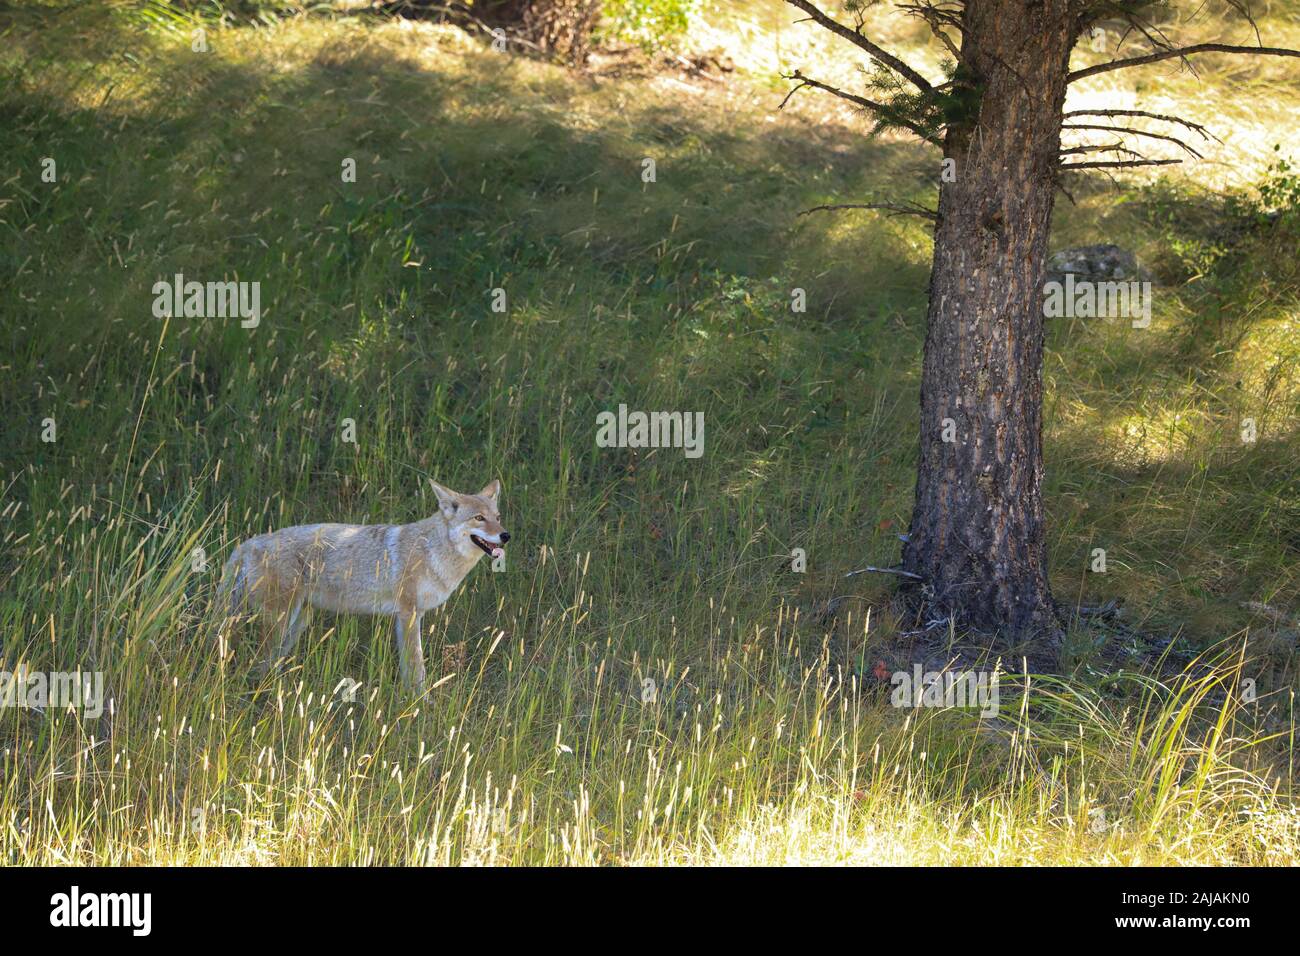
[[473, 522]]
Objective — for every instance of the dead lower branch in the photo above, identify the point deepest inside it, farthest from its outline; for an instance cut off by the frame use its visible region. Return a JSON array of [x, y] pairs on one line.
[[897, 209], [1196, 127], [1181, 52], [1135, 132], [1120, 164]]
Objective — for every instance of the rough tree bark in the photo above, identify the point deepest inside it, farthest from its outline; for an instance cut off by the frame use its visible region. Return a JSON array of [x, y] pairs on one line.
[[977, 539]]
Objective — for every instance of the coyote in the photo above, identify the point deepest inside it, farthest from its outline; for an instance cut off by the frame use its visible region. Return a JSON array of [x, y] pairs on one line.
[[401, 570]]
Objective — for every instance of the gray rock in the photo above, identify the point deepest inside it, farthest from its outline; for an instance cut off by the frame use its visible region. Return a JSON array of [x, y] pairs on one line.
[[1100, 262]]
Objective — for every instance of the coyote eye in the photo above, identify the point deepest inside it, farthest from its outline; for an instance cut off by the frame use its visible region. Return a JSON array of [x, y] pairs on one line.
[[478, 518]]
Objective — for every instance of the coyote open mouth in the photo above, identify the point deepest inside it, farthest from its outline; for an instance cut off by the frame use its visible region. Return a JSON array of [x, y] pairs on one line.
[[491, 550]]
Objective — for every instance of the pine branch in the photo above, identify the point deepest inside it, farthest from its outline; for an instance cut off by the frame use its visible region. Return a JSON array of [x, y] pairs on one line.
[[1135, 132], [1120, 163], [1180, 52], [937, 20], [857, 39], [883, 110], [1112, 148], [1196, 127], [897, 209]]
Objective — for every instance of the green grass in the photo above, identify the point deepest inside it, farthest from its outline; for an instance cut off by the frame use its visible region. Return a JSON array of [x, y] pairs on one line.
[[769, 740]]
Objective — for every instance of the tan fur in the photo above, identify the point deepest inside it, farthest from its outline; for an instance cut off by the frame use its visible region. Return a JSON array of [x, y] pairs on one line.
[[400, 571]]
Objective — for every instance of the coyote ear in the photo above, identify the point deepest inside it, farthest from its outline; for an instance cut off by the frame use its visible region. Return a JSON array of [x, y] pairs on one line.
[[446, 497], [493, 490]]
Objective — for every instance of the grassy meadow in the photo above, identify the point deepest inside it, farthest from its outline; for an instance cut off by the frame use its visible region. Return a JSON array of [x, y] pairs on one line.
[[770, 737]]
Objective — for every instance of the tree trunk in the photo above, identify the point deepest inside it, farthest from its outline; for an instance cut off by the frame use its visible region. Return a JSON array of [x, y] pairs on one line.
[[977, 538]]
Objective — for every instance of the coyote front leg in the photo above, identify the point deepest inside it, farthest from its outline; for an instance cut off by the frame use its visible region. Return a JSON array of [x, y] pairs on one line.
[[299, 618], [283, 623], [410, 651]]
